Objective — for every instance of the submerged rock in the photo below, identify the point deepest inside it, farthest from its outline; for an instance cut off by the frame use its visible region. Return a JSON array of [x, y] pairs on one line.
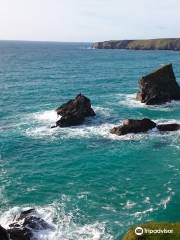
[[74, 111], [4, 234], [159, 87], [134, 126], [168, 127]]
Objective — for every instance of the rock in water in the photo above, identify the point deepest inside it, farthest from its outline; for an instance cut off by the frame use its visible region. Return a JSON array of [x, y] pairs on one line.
[[74, 111], [24, 226], [17, 233], [133, 126], [168, 127], [159, 87], [3, 234]]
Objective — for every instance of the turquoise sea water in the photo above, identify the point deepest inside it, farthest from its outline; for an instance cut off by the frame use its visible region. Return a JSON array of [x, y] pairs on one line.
[[92, 185]]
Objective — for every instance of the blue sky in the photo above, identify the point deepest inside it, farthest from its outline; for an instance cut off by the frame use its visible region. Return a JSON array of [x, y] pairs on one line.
[[88, 20]]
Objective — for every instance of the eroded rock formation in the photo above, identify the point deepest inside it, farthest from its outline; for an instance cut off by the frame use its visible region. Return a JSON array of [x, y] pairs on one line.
[[74, 111], [159, 87], [144, 125], [134, 126]]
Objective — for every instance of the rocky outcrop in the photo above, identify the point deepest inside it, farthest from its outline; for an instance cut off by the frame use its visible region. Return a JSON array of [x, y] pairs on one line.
[[134, 126], [150, 44], [74, 111], [168, 127], [23, 226], [144, 125], [159, 87], [4, 234]]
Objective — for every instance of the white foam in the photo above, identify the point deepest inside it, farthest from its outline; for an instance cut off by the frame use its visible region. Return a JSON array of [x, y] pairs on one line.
[[46, 116], [95, 129], [167, 121], [129, 204], [64, 226], [130, 101], [83, 131], [92, 127], [140, 214], [147, 200], [97, 126], [39, 132], [165, 201], [102, 111]]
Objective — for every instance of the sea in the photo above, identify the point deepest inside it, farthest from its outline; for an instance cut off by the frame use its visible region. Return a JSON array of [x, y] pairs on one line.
[[87, 182]]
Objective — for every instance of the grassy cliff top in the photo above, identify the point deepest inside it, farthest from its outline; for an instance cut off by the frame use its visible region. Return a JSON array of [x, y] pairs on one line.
[[150, 44], [175, 235]]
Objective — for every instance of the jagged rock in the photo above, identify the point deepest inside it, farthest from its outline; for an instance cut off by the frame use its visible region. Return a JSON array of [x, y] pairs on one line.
[[70, 120], [133, 126], [32, 222], [168, 127], [159, 87], [74, 111], [3, 234], [24, 225]]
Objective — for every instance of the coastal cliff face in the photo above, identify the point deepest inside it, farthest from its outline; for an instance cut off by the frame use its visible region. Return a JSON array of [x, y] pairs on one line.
[[152, 44]]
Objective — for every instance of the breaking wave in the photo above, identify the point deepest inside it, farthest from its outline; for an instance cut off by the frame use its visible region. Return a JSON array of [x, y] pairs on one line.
[[63, 224], [129, 100], [92, 127]]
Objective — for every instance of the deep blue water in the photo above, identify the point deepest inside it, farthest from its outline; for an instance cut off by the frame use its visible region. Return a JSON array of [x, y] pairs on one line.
[[91, 184]]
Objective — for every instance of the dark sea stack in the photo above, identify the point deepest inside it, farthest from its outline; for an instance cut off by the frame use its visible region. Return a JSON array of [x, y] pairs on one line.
[[3, 234], [149, 44], [168, 127], [74, 111], [159, 87], [133, 126]]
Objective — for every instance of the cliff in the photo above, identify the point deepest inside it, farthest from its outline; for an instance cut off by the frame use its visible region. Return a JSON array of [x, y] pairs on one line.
[[151, 44]]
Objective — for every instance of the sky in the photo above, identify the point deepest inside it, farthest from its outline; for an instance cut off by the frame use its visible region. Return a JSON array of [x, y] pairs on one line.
[[88, 20]]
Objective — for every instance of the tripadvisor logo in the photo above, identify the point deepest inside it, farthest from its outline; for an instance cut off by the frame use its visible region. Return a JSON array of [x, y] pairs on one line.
[[139, 231]]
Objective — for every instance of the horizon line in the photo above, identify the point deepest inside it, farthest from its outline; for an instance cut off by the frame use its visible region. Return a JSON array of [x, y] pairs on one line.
[[42, 41], [59, 41]]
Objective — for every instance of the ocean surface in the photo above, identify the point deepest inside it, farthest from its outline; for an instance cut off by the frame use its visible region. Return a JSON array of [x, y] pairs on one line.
[[90, 184]]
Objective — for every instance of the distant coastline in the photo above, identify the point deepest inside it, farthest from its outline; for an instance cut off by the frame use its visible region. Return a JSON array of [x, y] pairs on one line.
[[149, 44]]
